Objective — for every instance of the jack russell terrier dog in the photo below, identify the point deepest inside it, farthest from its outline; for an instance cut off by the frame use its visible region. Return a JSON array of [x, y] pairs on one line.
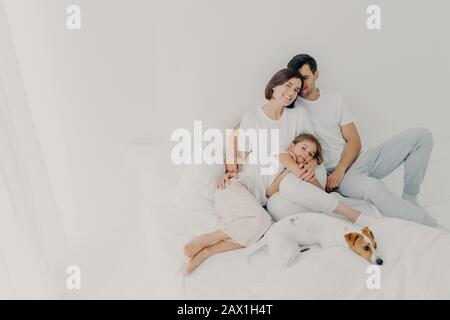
[[285, 236]]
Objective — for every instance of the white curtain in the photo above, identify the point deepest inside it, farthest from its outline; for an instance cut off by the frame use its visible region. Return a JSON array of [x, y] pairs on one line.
[[33, 246]]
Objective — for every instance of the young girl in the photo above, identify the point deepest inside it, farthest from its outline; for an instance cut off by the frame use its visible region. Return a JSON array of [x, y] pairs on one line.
[[302, 150], [234, 229]]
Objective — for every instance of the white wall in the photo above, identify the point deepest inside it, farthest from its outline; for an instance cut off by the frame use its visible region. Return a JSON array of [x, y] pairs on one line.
[[139, 69]]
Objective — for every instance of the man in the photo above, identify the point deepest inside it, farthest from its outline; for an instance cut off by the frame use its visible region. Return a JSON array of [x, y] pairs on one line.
[[357, 175]]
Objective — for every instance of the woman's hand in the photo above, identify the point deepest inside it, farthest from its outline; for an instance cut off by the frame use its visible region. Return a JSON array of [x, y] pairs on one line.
[[300, 172], [224, 181]]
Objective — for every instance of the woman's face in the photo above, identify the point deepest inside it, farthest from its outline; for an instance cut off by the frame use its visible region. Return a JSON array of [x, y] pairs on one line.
[[287, 92], [304, 151]]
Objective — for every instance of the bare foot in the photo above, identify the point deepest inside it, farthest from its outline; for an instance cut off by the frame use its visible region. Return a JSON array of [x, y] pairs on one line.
[[195, 245], [194, 262]]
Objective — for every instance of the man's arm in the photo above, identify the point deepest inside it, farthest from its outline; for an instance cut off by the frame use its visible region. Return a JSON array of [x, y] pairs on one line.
[[275, 186], [349, 154]]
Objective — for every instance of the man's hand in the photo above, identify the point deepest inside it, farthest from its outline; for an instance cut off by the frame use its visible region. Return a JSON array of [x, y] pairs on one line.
[[310, 171], [335, 179], [224, 181]]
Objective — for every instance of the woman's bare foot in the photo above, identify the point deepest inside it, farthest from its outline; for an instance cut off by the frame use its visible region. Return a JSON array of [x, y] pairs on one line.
[[195, 245], [195, 261], [207, 252]]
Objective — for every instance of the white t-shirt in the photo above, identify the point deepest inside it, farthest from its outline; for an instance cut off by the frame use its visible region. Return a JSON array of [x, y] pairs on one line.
[[328, 114], [261, 167]]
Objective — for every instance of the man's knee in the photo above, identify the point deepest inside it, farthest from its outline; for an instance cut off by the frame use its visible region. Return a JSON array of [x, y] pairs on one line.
[[423, 135], [372, 188]]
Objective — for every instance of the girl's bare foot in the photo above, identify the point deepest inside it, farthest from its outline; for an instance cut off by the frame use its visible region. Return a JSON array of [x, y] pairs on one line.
[[195, 261], [195, 245]]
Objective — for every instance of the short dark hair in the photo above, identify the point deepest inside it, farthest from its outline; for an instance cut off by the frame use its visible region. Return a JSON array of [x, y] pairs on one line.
[[307, 136], [300, 60], [280, 78]]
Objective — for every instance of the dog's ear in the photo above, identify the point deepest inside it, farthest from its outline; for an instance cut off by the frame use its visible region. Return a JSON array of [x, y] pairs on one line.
[[366, 231], [351, 238]]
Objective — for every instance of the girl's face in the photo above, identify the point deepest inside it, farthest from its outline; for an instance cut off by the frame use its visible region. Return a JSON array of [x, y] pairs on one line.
[[287, 92], [304, 151]]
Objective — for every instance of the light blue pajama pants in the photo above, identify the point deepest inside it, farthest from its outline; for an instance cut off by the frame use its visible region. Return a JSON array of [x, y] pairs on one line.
[[362, 180]]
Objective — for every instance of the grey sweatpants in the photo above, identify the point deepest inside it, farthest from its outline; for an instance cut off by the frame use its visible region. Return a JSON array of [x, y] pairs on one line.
[[362, 180]]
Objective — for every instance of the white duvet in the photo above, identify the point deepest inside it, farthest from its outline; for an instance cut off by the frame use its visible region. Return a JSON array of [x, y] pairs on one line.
[[416, 265]]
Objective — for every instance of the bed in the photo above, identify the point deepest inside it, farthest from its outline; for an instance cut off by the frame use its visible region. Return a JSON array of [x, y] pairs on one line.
[[416, 257]]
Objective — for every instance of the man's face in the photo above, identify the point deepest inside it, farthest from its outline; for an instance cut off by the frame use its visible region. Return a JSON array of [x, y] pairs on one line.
[[309, 80]]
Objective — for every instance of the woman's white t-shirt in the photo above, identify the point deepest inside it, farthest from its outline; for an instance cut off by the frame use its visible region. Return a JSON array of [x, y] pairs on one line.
[[264, 138]]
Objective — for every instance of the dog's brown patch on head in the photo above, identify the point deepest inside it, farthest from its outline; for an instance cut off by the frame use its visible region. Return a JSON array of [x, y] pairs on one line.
[[368, 233], [357, 244], [351, 238]]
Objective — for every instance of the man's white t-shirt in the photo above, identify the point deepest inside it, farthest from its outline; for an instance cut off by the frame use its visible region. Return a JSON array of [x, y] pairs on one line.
[[261, 167], [328, 114]]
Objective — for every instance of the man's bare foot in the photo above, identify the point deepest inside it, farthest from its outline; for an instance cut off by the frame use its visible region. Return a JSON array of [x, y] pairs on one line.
[[195, 245], [195, 261]]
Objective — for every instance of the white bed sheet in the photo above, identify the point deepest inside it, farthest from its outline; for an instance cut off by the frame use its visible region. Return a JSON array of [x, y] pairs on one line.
[[417, 265], [222, 276]]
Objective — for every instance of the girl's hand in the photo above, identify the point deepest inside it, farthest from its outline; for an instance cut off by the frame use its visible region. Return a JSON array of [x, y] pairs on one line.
[[310, 171], [224, 181]]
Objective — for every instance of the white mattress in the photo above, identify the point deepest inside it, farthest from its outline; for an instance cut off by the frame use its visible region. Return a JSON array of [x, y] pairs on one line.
[[417, 265]]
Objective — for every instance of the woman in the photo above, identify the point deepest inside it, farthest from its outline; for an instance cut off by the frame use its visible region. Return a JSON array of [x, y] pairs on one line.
[[239, 202]]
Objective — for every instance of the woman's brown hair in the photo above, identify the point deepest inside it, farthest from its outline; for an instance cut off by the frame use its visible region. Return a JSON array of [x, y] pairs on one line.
[[280, 78], [306, 136]]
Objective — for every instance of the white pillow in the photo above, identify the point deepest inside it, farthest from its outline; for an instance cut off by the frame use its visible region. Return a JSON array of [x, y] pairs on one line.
[[197, 186], [163, 183]]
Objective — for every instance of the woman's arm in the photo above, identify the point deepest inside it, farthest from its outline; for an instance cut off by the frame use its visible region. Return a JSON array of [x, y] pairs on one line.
[[290, 164], [232, 156], [275, 186]]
